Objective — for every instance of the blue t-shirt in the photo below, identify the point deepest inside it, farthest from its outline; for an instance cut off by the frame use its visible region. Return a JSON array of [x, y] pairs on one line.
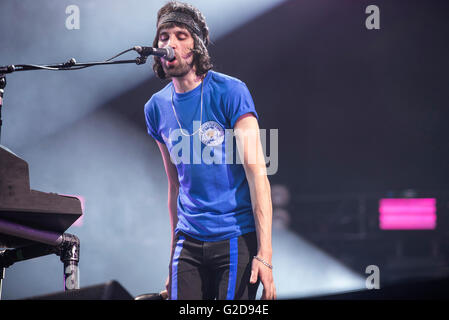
[[214, 200]]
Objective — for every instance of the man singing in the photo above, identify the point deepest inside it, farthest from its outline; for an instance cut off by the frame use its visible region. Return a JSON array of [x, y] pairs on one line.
[[220, 210]]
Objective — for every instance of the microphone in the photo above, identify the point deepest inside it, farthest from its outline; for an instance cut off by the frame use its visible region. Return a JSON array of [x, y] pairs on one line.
[[167, 53]]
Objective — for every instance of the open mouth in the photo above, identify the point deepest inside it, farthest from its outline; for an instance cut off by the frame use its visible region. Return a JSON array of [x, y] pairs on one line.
[[172, 61]]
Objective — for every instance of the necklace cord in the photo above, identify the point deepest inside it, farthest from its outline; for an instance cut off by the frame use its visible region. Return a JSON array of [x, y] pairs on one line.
[[176, 116]]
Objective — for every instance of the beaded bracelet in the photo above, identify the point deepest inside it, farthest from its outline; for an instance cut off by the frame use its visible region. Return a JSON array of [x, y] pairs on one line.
[[264, 262]]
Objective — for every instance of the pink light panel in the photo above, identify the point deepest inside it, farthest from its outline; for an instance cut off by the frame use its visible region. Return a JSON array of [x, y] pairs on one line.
[[407, 214]]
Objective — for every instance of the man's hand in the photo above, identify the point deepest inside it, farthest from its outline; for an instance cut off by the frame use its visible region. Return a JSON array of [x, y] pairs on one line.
[[265, 274], [167, 282]]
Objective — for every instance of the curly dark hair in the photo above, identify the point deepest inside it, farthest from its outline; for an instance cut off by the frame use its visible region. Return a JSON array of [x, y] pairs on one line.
[[201, 58]]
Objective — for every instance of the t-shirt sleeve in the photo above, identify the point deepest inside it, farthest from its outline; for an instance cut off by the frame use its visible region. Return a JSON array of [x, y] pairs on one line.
[[239, 103], [152, 120]]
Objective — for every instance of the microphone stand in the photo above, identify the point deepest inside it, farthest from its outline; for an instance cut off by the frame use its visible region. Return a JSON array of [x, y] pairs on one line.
[[67, 245], [69, 65]]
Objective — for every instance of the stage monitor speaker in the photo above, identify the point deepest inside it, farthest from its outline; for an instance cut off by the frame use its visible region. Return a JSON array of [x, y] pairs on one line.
[[111, 290]]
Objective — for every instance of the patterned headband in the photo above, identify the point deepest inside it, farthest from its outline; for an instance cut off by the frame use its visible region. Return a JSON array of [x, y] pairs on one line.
[[183, 18]]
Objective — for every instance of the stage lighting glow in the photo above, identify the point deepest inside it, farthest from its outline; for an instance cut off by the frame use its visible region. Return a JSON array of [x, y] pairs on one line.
[[407, 214]]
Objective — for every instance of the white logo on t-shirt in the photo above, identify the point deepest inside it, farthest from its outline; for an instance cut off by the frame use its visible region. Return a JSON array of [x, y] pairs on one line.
[[211, 133]]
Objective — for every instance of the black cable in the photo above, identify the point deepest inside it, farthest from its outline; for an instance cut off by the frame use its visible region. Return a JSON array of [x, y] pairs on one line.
[[123, 52], [68, 64]]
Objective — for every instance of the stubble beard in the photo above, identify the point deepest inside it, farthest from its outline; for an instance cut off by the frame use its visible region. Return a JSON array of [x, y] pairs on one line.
[[179, 70]]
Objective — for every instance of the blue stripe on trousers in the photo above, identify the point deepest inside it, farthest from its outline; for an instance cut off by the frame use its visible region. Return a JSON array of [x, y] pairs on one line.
[[233, 261], [174, 269]]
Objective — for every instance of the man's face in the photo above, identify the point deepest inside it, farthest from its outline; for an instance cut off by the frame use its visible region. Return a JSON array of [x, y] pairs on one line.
[[182, 42]]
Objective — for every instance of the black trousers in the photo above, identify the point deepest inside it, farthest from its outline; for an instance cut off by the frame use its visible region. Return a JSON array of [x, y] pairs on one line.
[[204, 270]]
